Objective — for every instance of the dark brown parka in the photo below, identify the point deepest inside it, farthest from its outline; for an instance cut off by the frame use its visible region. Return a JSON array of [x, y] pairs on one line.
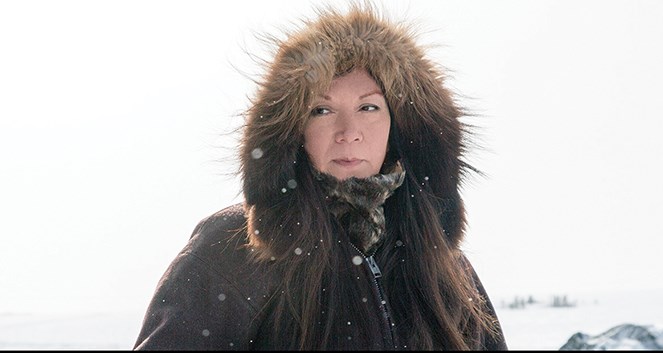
[[210, 299]]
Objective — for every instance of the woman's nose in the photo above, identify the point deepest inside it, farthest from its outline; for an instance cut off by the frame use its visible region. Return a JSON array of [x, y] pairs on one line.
[[348, 129]]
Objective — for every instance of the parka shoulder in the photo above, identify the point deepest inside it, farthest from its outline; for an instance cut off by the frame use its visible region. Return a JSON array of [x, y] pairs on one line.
[[210, 297], [220, 236]]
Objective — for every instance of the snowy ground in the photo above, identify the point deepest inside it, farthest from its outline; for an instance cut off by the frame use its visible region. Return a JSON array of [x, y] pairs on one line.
[[101, 331], [541, 327], [537, 326]]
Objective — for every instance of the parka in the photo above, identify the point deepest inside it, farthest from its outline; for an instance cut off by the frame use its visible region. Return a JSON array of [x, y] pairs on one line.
[[215, 295], [209, 299]]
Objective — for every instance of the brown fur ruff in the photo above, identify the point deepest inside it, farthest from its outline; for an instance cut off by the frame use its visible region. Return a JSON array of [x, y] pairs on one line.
[[424, 114]]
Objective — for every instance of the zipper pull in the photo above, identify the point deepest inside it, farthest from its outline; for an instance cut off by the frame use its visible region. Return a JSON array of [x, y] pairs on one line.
[[374, 267]]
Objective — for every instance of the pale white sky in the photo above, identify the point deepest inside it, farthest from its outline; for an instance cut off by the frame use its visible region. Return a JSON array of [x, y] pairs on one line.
[[112, 147]]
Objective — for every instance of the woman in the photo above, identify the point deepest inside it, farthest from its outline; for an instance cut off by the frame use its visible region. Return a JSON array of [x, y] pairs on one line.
[[349, 235]]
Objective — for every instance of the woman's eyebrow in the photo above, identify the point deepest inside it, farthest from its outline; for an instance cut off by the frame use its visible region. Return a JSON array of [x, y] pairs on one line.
[[328, 98], [370, 94]]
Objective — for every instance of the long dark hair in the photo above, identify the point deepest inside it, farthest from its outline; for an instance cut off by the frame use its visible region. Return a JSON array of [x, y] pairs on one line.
[[430, 290]]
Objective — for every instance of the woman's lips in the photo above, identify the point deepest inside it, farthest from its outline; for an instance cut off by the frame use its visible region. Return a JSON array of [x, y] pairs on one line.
[[347, 162]]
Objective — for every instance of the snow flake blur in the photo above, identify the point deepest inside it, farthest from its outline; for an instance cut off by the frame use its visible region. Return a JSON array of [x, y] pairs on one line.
[[257, 153]]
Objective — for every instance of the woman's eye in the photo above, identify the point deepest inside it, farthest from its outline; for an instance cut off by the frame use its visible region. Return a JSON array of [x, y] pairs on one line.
[[370, 107], [319, 111]]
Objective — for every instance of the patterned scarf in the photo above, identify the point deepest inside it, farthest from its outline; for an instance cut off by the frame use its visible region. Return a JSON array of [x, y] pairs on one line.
[[357, 204]]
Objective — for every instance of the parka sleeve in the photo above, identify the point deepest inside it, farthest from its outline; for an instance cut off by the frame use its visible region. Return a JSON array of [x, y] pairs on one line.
[[187, 311], [197, 305], [489, 342]]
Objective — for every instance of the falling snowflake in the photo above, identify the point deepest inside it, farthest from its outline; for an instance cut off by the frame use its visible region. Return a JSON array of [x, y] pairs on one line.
[[256, 153]]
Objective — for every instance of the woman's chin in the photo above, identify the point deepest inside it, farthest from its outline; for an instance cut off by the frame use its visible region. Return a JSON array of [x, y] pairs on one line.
[[343, 174]]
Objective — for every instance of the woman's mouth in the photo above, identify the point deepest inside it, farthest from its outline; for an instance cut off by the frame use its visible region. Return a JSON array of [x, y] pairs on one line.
[[347, 162]]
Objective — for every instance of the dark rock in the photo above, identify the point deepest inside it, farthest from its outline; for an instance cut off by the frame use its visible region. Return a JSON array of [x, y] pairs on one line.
[[626, 336]]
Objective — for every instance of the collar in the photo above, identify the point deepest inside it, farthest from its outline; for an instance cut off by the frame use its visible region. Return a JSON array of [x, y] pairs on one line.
[[358, 204]]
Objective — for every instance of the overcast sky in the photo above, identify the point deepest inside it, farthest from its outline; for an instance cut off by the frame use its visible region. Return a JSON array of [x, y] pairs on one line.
[[115, 122]]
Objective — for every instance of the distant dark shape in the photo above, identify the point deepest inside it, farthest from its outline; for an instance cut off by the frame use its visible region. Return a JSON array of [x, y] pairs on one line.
[[626, 336]]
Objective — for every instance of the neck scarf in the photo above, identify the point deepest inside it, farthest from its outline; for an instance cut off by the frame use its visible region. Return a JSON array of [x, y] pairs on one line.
[[358, 205]]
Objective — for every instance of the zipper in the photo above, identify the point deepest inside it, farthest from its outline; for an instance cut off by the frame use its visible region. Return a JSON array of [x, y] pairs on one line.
[[373, 266], [375, 270]]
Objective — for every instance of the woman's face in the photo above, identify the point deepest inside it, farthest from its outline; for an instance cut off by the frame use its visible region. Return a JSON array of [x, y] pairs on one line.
[[347, 132]]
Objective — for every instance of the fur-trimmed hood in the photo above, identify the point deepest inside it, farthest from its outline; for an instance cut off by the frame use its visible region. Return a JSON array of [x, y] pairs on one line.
[[294, 283], [427, 135]]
